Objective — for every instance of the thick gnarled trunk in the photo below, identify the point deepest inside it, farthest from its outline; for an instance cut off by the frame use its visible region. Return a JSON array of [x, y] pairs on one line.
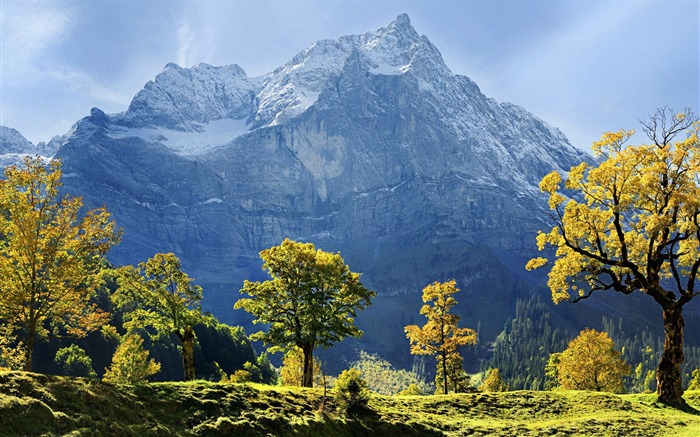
[[668, 374], [308, 376], [187, 340]]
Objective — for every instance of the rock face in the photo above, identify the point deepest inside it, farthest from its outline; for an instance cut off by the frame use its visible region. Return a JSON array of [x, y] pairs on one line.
[[368, 145], [14, 147]]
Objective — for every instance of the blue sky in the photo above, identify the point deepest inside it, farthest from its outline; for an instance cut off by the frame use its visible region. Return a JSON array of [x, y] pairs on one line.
[[583, 66]]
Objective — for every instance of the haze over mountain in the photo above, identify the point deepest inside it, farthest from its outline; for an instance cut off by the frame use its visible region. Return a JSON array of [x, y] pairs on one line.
[[367, 144]]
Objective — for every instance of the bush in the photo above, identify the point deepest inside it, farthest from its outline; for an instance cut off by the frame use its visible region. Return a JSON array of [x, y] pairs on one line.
[[351, 391], [73, 361], [411, 390], [494, 382]]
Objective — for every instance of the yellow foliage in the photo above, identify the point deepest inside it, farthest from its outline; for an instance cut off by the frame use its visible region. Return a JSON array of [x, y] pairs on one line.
[[630, 212], [440, 335], [51, 255], [592, 363]]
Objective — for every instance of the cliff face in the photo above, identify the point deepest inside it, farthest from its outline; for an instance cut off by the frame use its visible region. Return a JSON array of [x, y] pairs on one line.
[[368, 145]]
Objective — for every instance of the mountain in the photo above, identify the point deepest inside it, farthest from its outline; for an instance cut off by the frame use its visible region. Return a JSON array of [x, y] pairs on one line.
[[13, 147], [368, 145]]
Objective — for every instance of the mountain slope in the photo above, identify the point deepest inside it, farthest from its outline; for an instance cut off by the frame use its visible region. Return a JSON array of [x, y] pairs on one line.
[[368, 145]]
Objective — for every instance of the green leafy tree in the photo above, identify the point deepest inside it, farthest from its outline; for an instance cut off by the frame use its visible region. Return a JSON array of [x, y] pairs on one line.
[[130, 363], [267, 371], [350, 391], [160, 296], [551, 371], [311, 300], [695, 381], [494, 382], [74, 361], [51, 256], [440, 336], [592, 363], [630, 223]]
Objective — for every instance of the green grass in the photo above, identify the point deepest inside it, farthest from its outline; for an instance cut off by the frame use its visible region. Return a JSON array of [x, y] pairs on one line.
[[32, 404]]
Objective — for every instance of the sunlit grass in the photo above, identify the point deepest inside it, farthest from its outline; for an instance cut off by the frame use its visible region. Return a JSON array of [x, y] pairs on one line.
[[37, 404]]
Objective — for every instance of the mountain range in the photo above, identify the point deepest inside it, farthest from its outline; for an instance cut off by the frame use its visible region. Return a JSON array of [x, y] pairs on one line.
[[368, 145]]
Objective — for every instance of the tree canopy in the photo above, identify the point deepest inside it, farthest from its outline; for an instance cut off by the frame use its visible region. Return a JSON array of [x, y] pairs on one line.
[[440, 335], [591, 362], [630, 223], [159, 295], [311, 300], [51, 256]]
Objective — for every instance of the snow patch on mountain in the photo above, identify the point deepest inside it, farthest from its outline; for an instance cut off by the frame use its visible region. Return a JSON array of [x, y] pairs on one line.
[[212, 135]]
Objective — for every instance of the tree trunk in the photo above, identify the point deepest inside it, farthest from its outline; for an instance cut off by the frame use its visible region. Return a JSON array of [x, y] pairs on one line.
[[668, 374], [444, 373], [308, 377], [187, 341], [31, 339]]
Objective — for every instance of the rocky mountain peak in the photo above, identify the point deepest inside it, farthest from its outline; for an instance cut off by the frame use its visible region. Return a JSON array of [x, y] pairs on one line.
[[11, 141]]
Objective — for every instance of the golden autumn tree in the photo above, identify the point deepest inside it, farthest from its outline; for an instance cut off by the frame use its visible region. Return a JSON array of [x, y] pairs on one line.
[[292, 370], [311, 300], [159, 295], [631, 224], [440, 335], [51, 256], [591, 362]]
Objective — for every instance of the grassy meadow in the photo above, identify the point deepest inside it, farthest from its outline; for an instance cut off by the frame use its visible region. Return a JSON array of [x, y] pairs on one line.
[[34, 404]]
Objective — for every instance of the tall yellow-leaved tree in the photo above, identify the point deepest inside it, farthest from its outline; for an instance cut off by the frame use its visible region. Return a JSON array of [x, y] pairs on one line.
[[51, 256], [631, 224], [440, 335]]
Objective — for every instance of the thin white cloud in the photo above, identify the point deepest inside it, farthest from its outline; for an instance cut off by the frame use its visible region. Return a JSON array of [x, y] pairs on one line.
[[185, 38], [28, 30]]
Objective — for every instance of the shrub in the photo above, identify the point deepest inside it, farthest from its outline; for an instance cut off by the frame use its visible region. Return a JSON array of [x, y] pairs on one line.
[[240, 376], [351, 391], [411, 390], [73, 361], [494, 382]]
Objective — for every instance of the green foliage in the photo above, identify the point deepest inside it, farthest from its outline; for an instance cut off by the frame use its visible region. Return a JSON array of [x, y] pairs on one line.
[[591, 362], [74, 362], [268, 374], [160, 296], [33, 404], [521, 351], [457, 379], [12, 352], [51, 256], [130, 363], [312, 300], [350, 391], [494, 382], [551, 371], [253, 370], [695, 382], [383, 378], [226, 345], [411, 390]]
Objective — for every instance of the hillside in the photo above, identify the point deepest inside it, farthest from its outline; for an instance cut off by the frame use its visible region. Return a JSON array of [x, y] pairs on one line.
[[33, 404]]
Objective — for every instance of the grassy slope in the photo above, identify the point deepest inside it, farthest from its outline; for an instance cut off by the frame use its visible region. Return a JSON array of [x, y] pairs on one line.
[[32, 404]]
